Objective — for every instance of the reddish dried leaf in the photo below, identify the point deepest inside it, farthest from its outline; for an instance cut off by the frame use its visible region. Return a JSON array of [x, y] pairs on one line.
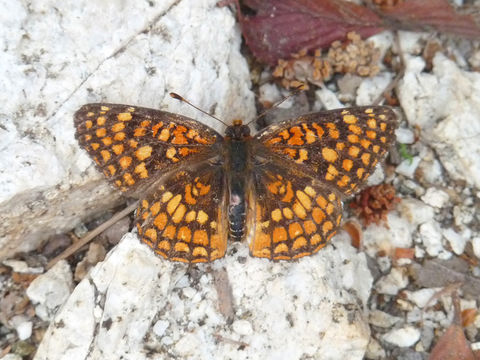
[[452, 345], [404, 253], [437, 15], [468, 317], [284, 27], [355, 231]]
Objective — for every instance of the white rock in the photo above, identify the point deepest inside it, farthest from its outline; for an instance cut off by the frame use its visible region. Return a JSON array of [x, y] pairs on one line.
[[399, 234], [421, 297], [11, 357], [456, 240], [403, 337], [435, 197], [431, 236], [408, 167], [416, 211], [476, 246], [21, 266], [269, 92], [137, 290], [382, 319], [392, 283], [419, 252], [242, 327], [372, 87], [160, 327], [431, 171], [412, 42], [377, 177], [467, 304], [445, 105], [24, 330], [405, 136], [122, 52], [189, 345], [375, 350], [463, 215], [50, 291], [328, 98]]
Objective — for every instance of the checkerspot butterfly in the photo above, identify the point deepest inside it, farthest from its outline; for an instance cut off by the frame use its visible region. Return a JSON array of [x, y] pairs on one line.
[[282, 188]]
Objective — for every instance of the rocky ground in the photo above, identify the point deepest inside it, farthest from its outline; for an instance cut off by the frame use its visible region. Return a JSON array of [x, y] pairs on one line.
[[402, 271]]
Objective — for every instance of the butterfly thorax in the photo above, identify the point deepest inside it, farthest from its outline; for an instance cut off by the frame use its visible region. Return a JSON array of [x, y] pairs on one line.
[[238, 147]]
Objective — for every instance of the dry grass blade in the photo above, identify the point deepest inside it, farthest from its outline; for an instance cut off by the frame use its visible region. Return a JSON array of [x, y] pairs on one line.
[[92, 234]]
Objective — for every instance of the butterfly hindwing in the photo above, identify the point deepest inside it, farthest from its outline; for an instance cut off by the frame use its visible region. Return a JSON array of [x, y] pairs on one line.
[[291, 214], [184, 219]]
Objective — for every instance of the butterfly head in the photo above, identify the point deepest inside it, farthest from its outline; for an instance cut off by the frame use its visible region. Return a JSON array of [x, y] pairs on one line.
[[237, 131]]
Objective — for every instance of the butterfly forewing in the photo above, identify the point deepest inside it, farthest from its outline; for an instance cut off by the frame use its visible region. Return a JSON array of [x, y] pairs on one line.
[[340, 147], [134, 145]]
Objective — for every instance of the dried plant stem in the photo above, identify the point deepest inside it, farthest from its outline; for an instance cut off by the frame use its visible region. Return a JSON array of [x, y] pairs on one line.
[[397, 78], [92, 234]]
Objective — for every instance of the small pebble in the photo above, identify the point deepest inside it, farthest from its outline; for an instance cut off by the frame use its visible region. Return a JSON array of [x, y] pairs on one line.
[[431, 237], [435, 197], [405, 136], [392, 283], [242, 327], [457, 242], [160, 327], [24, 330], [476, 246], [407, 167], [402, 337]]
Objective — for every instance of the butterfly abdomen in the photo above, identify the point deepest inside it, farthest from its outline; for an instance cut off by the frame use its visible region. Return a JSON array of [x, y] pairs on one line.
[[237, 182]]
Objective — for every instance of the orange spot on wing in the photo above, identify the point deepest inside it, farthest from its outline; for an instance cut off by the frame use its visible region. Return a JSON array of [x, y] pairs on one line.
[[297, 135], [124, 116], [143, 152], [160, 221], [119, 136], [125, 161], [117, 149], [279, 234], [118, 127], [200, 237]]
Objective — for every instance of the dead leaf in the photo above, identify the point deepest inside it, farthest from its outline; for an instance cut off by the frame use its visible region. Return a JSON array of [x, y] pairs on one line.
[[404, 253], [452, 345], [354, 229], [224, 293], [436, 15], [440, 273], [281, 28], [284, 27], [468, 317]]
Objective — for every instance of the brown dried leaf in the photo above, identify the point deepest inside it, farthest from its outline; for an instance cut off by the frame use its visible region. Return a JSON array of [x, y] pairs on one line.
[[452, 345], [355, 231], [404, 253], [224, 293], [468, 317], [440, 273]]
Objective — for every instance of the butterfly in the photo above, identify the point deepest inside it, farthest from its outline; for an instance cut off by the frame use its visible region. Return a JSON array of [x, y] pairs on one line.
[[282, 188]]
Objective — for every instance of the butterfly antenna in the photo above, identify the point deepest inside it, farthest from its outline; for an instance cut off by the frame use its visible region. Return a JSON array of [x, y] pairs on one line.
[[297, 90], [181, 98]]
